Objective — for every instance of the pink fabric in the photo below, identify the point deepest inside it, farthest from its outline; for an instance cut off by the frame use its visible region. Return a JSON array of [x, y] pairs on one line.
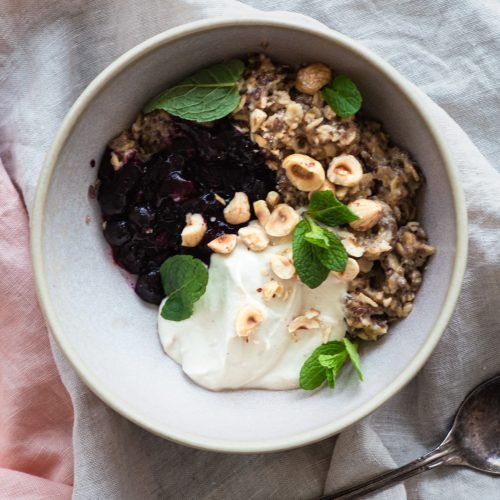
[[36, 415]]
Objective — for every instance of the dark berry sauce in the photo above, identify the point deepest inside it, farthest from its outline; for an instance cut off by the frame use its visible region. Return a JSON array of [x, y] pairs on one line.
[[145, 204]]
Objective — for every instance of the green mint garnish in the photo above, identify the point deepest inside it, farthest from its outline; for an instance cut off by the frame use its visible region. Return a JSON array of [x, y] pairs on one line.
[[316, 249], [309, 268], [325, 208], [334, 258], [352, 350], [316, 235], [208, 95], [325, 362], [343, 96], [184, 281]]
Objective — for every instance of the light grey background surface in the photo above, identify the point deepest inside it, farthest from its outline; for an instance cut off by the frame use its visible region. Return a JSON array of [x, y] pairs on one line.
[[450, 50]]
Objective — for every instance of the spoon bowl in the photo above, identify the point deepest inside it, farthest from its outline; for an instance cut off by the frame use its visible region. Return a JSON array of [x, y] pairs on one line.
[[476, 429], [473, 441]]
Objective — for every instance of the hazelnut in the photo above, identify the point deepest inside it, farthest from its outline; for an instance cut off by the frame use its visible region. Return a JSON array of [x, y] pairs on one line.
[[368, 211], [304, 172], [345, 170], [353, 248], [312, 78], [282, 265], [350, 272], [194, 230], [238, 209], [271, 290], [254, 237], [224, 244], [303, 323], [247, 320], [282, 221], [272, 199], [261, 211]]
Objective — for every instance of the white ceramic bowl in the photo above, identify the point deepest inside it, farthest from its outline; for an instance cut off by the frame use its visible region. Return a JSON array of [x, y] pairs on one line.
[[109, 335]]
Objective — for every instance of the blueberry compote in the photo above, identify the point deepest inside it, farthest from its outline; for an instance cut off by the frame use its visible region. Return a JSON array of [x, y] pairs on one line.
[[145, 204]]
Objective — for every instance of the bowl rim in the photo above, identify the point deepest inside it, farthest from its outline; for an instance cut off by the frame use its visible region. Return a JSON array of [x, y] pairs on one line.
[[97, 385]]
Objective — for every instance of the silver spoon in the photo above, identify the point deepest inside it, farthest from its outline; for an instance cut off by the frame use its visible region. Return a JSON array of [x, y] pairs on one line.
[[473, 441]]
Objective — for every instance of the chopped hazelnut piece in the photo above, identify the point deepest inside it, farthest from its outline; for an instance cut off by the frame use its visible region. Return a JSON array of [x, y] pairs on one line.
[[304, 172], [272, 199], [282, 265], [261, 211], [312, 78], [254, 237], [303, 323], [271, 290], [368, 211], [345, 170], [238, 209], [247, 320], [194, 230], [224, 244], [350, 272], [282, 221], [353, 248]]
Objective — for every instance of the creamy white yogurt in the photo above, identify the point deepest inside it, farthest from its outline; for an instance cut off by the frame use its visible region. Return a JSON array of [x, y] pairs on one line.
[[214, 356]]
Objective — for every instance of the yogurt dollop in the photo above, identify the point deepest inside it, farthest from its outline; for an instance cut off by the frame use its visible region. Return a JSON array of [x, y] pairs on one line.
[[214, 356]]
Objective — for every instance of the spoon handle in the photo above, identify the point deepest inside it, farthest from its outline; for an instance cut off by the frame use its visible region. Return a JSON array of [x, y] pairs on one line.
[[429, 461]]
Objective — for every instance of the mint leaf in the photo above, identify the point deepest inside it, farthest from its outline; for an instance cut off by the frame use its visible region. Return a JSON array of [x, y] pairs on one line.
[[334, 258], [327, 247], [352, 350], [332, 364], [316, 235], [326, 208], [177, 308], [208, 95], [343, 96], [308, 267], [326, 361], [330, 379], [184, 280], [322, 200], [313, 373]]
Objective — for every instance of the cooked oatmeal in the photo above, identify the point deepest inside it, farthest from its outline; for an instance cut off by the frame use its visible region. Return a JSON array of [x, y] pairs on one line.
[[392, 254]]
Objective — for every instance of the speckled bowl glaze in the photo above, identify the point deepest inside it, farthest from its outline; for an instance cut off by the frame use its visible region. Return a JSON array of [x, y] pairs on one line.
[[109, 335]]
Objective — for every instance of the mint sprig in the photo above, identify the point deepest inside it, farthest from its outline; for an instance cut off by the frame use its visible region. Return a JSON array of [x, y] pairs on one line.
[[326, 361], [184, 280], [343, 96], [316, 249], [207, 95]]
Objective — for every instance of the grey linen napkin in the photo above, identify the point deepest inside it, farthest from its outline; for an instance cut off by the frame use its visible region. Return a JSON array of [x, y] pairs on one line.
[[49, 52]]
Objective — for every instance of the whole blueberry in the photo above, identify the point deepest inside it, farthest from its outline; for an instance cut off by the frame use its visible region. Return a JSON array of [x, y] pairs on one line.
[[141, 216], [117, 232], [149, 288]]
